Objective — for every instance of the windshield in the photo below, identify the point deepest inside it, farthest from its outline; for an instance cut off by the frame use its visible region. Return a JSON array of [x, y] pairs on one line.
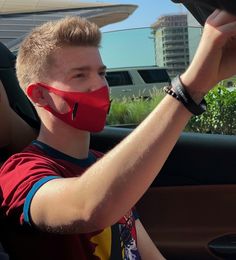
[[144, 45]]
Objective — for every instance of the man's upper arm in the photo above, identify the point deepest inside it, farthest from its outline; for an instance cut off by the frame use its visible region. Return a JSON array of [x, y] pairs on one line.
[[54, 206], [30, 195]]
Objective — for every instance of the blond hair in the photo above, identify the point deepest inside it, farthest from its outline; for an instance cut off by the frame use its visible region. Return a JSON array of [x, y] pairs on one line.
[[35, 54]]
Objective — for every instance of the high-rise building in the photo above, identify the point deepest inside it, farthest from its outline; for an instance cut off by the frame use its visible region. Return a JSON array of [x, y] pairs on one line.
[[171, 43], [176, 39]]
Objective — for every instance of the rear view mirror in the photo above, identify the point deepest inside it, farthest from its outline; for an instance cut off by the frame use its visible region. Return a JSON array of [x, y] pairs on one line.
[[201, 9]]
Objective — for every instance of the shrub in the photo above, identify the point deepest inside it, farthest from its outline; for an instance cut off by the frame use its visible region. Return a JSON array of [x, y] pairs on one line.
[[220, 117], [133, 110]]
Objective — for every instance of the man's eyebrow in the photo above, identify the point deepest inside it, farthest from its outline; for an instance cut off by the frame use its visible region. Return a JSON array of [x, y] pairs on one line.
[[85, 68]]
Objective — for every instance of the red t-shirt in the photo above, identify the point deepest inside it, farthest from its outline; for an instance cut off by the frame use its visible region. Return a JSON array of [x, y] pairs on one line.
[[20, 178]]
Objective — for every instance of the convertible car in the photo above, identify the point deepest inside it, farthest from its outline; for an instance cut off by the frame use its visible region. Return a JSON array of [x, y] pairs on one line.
[[189, 210]]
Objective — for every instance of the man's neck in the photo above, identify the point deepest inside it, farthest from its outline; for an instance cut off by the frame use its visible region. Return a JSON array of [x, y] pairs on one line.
[[74, 143]]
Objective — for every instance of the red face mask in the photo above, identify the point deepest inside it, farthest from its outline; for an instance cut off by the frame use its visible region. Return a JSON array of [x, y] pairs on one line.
[[87, 110]]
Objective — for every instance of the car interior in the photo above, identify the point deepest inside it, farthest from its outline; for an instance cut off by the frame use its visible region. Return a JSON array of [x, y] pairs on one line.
[[189, 210]]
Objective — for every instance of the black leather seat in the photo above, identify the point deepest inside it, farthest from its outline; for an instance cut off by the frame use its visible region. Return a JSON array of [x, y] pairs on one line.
[[18, 102], [3, 254], [17, 99]]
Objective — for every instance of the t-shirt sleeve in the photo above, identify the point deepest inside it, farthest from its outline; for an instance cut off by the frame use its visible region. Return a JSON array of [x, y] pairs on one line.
[[30, 195], [20, 178]]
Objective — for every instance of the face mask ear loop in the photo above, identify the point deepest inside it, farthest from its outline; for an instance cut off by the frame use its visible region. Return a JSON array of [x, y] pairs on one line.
[[108, 110], [74, 112]]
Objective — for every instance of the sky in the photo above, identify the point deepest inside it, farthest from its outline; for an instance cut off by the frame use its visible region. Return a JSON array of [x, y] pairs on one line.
[[127, 48], [145, 15], [121, 47]]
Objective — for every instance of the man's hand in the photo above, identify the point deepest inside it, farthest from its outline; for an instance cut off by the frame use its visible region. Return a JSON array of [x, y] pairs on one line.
[[215, 58]]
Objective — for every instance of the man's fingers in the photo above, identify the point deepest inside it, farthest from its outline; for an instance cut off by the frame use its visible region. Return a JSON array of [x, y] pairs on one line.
[[220, 17], [229, 29], [213, 15]]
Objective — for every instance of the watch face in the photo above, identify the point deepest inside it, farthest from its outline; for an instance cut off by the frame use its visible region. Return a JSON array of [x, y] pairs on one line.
[[201, 9]]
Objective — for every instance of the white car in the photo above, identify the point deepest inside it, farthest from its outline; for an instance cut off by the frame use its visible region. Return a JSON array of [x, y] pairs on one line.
[[136, 81]]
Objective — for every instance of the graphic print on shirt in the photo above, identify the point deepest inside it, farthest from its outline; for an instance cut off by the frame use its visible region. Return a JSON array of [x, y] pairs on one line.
[[103, 244], [124, 247], [128, 237]]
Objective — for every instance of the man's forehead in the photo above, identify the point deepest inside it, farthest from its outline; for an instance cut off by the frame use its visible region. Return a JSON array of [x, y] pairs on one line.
[[76, 54], [70, 59], [76, 51]]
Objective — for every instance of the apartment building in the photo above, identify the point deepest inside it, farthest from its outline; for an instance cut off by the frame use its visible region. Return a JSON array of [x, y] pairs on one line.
[[171, 43]]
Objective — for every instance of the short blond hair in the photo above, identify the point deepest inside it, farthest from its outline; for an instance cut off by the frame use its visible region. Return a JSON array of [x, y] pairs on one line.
[[35, 53]]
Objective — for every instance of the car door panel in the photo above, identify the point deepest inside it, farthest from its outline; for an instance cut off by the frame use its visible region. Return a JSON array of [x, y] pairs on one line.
[[183, 220], [192, 200]]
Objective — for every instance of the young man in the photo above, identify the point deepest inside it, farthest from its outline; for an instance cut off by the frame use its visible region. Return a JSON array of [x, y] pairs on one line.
[[63, 201]]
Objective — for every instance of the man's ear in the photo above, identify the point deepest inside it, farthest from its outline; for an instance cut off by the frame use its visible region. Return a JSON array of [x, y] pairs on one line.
[[36, 93]]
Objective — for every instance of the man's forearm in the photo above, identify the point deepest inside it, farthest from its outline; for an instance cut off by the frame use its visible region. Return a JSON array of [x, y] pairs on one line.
[[126, 172]]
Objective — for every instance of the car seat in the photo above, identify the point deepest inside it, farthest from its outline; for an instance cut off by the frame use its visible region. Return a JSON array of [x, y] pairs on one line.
[[17, 99], [3, 254]]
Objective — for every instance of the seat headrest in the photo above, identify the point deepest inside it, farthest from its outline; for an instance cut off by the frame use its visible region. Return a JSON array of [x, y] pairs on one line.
[[8, 59], [16, 97]]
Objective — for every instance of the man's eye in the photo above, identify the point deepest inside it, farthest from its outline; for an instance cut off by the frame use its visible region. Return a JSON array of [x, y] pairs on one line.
[[80, 75], [103, 73]]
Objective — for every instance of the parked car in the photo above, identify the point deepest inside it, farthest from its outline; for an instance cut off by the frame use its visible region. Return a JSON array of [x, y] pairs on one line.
[[136, 81]]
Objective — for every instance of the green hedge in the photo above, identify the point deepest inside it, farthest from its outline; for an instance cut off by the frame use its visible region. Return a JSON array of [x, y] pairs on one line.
[[220, 117], [133, 110]]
